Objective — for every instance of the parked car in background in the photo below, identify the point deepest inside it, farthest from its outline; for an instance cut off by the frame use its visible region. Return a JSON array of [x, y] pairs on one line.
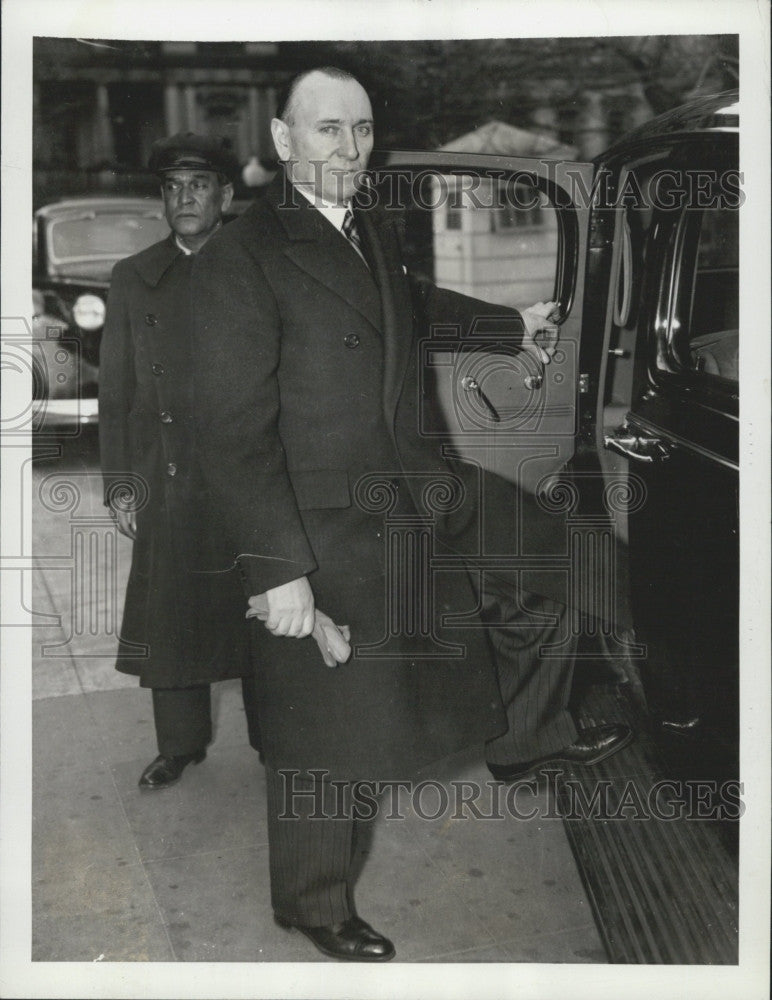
[[75, 244]]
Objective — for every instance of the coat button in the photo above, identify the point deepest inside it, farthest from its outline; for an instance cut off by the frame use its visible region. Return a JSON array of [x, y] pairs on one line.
[[151, 319], [171, 469], [351, 340], [158, 369], [166, 417]]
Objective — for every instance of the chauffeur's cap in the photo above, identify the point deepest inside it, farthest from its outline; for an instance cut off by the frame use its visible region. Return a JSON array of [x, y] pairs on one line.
[[188, 151]]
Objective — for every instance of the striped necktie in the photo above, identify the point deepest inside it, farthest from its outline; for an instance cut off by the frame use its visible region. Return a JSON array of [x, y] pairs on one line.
[[350, 231]]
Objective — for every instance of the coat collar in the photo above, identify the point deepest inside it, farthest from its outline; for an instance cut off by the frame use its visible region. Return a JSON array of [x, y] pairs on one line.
[[153, 263]]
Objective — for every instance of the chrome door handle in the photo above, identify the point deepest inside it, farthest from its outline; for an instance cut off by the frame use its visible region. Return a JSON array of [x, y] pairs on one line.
[[470, 384], [637, 446]]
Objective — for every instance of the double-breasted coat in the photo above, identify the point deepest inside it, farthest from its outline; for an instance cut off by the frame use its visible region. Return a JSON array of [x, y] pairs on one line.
[[309, 409], [179, 627]]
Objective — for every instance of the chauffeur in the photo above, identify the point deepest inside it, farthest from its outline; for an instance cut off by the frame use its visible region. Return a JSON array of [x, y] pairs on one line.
[[307, 400], [180, 630]]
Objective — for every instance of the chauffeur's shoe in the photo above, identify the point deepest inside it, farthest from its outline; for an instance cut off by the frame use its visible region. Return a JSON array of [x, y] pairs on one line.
[[165, 770], [590, 747], [354, 940]]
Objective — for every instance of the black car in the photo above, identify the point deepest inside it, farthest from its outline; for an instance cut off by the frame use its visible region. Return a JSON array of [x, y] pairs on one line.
[[636, 419], [632, 434], [75, 244]]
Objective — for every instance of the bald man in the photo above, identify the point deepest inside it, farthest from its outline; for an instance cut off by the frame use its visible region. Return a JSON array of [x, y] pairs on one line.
[[307, 396]]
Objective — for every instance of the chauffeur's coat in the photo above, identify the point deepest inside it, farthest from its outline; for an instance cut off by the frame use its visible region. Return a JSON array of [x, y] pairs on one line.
[[306, 381], [179, 628]]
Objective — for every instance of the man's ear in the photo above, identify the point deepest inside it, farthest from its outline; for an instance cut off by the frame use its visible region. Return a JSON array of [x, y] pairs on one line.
[[227, 196], [281, 140]]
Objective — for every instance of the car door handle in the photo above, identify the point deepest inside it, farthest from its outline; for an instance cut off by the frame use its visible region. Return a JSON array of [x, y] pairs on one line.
[[470, 384], [637, 446]]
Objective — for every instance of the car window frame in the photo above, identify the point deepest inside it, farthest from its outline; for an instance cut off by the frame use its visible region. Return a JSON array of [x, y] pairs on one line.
[[564, 288], [674, 242]]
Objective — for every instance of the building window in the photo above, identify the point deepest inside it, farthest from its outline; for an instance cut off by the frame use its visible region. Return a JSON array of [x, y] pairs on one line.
[[219, 50], [453, 218], [568, 117], [521, 209], [617, 109], [136, 118]]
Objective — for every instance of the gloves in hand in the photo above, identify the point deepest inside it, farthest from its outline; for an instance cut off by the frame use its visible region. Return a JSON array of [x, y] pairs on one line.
[[333, 640]]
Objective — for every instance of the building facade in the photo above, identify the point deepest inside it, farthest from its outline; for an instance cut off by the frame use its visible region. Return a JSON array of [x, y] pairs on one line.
[[99, 106]]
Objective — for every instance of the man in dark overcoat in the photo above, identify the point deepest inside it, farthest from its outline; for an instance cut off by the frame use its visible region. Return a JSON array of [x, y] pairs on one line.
[[308, 406], [180, 630]]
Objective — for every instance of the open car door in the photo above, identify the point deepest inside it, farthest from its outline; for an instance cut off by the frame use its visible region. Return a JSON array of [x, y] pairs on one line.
[[513, 231]]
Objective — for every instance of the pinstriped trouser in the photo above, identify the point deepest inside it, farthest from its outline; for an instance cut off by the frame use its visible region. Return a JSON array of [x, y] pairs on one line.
[[309, 858], [534, 649]]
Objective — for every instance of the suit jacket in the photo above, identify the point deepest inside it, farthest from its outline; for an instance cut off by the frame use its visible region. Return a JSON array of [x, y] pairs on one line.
[[308, 403], [178, 628]]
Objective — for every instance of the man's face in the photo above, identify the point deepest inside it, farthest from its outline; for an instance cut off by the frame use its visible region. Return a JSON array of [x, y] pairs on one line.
[[329, 137], [194, 201]]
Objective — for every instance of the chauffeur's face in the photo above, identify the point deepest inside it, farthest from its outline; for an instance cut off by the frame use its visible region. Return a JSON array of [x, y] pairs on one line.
[[327, 137], [194, 202]]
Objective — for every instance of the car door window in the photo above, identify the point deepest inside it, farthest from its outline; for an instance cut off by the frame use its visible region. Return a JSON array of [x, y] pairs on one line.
[[509, 238], [673, 366], [710, 337], [494, 239], [698, 339]]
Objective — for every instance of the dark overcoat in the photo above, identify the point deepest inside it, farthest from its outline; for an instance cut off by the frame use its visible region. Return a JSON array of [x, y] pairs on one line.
[[309, 409], [179, 628]]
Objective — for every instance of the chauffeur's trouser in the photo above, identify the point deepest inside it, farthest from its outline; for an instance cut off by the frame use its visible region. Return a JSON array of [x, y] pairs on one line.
[[183, 717]]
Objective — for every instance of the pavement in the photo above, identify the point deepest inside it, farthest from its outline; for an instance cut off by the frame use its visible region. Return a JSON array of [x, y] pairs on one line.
[[181, 875]]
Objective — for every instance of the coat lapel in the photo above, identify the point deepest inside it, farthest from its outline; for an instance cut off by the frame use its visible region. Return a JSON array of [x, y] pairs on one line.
[[153, 263], [316, 247], [381, 296], [396, 307]]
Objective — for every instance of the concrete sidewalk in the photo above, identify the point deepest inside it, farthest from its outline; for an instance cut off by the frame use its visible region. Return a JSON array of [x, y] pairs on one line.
[[182, 874]]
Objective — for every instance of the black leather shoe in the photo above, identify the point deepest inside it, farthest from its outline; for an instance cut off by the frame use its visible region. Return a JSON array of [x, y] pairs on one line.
[[166, 770], [353, 941], [590, 747]]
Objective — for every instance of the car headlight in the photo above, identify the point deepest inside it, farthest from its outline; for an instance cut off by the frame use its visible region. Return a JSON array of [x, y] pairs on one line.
[[89, 312]]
